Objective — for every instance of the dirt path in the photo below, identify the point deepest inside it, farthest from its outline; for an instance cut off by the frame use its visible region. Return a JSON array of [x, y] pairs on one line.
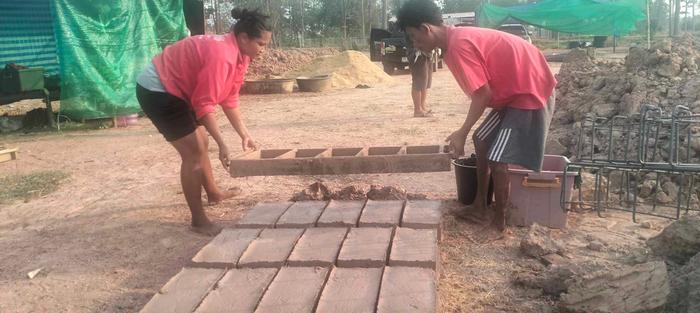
[[116, 229]]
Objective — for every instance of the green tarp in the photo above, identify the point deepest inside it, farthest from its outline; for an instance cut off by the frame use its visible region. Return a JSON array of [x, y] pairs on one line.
[[102, 46], [602, 18]]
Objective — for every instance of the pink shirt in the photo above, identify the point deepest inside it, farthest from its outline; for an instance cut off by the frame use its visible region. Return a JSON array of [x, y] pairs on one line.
[[516, 71], [203, 70]]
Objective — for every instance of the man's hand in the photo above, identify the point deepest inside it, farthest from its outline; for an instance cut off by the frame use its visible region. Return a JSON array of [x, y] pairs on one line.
[[457, 141], [248, 144], [224, 156]]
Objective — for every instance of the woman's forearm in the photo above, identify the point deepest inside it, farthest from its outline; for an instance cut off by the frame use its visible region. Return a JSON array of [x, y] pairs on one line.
[[235, 118]]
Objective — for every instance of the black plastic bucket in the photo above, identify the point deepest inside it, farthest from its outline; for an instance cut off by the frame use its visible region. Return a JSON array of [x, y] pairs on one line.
[[465, 174]]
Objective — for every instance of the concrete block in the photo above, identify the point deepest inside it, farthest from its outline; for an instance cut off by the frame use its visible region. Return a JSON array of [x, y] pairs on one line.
[[351, 290], [341, 213], [295, 289], [365, 247], [239, 290], [381, 213], [271, 248], [225, 249], [263, 215], [408, 290], [422, 214], [184, 291], [415, 248], [301, 214], [317, 247]]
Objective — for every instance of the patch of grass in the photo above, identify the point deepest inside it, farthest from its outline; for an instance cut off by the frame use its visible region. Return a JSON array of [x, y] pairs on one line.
[[30, 185]]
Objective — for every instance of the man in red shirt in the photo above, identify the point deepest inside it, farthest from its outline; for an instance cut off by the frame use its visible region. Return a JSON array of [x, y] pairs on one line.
[[504, 73]]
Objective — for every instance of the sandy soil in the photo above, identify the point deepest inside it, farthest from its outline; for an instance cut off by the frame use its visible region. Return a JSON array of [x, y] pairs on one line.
[[117, 229]]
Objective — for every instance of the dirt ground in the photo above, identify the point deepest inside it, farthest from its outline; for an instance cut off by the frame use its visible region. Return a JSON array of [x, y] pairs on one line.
[[117, 228]]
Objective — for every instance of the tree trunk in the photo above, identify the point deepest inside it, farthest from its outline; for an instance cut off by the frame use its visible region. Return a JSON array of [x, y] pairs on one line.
[[216, 16], [384, 17], [370, 8], [303, 28], [345, 20], [677, 20], [362, 13], [670, 17]]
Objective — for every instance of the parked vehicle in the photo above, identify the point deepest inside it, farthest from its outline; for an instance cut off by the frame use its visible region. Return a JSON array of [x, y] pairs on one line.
[[516, 29], [392, 50], [388, 48]]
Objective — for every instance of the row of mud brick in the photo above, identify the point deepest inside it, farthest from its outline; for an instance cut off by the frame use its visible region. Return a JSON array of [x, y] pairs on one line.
[[299, 290], [324, 247], [420, 214], [314, 256]]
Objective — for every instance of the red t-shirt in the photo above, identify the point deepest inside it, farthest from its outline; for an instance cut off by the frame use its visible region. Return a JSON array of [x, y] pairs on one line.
[[203, 70], [516, 71]]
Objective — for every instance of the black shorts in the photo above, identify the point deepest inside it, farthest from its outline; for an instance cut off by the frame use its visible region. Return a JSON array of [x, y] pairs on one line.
[[517, 136], [421, 73], [172, 116]]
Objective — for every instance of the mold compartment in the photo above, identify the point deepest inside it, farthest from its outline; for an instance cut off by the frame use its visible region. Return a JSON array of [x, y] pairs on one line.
[[272, 153], [423, 149], [384, 150], [346, 152], [309, 153]]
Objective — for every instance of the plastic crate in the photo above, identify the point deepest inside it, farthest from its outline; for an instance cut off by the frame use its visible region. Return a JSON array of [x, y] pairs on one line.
[[14, 81], [535, 196]]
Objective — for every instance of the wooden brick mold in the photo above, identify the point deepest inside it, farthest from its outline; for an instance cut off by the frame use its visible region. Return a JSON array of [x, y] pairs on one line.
[[334, 161]]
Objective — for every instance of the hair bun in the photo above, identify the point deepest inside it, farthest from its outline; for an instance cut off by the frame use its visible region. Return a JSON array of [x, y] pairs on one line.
[[239, 13]]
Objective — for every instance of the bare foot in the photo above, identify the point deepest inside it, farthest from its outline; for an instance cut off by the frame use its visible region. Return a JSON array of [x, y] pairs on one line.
[[228, 194], [490, 234], [423, 114], [209, 229], [473, 216]]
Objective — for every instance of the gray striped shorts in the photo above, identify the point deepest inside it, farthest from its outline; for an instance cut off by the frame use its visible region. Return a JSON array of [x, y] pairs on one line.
[[517, 136]]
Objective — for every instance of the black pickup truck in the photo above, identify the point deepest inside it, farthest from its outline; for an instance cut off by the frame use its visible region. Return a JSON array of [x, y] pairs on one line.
[[388, 48], [392, 50]]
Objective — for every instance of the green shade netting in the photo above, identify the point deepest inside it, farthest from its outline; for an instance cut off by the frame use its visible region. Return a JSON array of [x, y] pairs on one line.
[[103, 45], [601, 18]]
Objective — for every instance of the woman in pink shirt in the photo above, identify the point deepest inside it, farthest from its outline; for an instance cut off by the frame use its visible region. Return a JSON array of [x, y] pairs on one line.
[[179, 92], [501, 72]]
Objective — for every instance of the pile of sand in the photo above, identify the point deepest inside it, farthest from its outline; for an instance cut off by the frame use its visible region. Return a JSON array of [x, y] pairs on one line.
[[349, 69], [275, 62]]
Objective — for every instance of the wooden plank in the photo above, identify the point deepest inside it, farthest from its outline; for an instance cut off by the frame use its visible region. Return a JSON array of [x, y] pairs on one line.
[[399, 159], [8, 154]]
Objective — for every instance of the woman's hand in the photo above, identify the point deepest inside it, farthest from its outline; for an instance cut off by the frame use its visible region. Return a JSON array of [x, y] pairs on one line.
[[224, 156], [248, 144]]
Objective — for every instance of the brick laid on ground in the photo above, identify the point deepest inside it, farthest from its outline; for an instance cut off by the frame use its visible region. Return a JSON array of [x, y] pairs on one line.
[[294, 289], [301, 214], [239, 290], [317, 247], [381, 213], [422, 214], [341, 213], [365, 247], [271, 248], [407, 290], [263, 215], [226, 248], [350, 290], [414, 247], [184, 291]]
